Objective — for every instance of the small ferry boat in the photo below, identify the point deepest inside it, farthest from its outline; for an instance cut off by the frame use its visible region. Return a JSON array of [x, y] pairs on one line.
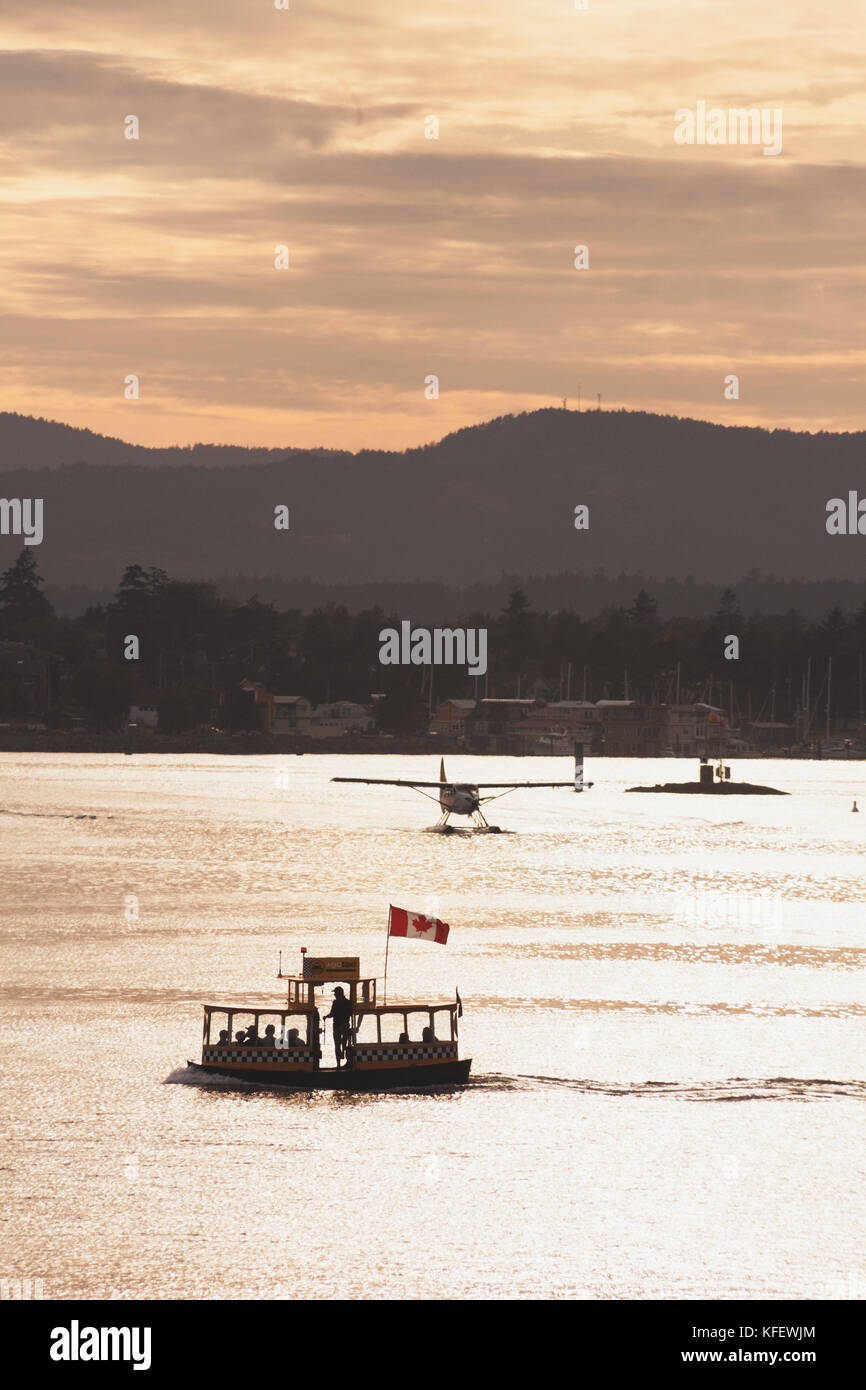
[[376, 1046]]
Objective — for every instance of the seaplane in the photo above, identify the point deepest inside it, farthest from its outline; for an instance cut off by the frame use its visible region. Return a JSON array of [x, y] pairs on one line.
[[467, 798]]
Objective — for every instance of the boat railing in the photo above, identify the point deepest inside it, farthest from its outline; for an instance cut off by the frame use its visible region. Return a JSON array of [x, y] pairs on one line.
[[251, 1038], [302, 993], [405, 1012]]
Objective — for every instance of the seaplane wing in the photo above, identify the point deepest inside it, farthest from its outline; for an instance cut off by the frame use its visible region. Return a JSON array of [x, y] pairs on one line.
[[479, 786], [387, 782], [512, 786], [492, 791]]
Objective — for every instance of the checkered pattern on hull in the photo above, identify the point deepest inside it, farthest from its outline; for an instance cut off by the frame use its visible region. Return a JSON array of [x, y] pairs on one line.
[[403, 1052], [256, 1054]]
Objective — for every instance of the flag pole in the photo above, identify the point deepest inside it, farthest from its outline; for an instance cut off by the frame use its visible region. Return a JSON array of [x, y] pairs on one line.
[[387, 944]]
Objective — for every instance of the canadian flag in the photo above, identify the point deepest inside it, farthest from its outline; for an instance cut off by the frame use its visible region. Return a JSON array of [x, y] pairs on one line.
[[401, 922]]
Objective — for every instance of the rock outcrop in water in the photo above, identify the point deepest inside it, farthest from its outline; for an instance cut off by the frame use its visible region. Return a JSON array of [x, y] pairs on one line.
[[715, 789], [714, 781]]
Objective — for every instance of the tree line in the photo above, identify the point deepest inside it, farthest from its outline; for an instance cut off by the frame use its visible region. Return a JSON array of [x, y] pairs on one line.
[[196, 645]]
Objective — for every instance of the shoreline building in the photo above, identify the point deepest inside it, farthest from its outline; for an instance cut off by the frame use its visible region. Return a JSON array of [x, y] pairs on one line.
[[554, 728], [632, 730], [694, 730], [340, 717], [606, 728], [280, 714], [451, 718], [494, 726]]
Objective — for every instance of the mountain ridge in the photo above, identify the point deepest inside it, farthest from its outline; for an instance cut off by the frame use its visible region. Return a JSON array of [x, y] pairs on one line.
[[15, 427], [665, 494]]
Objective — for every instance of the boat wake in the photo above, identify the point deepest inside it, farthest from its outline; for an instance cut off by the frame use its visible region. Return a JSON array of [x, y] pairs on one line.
[[735, 1088], [185, 1076]]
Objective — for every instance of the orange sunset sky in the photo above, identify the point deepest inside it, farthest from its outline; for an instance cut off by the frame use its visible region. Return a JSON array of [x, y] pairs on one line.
[[410, 256]]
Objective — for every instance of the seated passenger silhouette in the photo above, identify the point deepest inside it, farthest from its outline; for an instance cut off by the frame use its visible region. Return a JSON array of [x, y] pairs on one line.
[[294, 1039], [428, 1035], [241, 1036], [403, 1038], [268, 1040], [224, 1037]]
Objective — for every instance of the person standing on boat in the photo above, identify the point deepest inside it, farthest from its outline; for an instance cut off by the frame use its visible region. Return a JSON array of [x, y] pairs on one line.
[[341, 1013]]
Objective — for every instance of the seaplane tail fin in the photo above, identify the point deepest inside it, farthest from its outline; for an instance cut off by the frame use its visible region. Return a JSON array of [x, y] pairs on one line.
[[442, 783], [441, 769]]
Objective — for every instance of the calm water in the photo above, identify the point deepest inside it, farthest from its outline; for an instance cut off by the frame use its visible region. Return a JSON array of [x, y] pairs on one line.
[[664, 1002]]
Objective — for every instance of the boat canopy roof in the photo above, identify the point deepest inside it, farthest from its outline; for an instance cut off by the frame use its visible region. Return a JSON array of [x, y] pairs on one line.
[[300, 1009], [317, 971]]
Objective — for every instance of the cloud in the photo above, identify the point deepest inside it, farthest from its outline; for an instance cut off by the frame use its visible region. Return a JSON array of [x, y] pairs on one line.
[[412, 256]]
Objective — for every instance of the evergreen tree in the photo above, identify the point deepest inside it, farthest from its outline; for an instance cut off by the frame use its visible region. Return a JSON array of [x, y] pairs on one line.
[[729, 606], [21, 593], [644, 609], [517, 606], [516, 627], [135, 610]]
